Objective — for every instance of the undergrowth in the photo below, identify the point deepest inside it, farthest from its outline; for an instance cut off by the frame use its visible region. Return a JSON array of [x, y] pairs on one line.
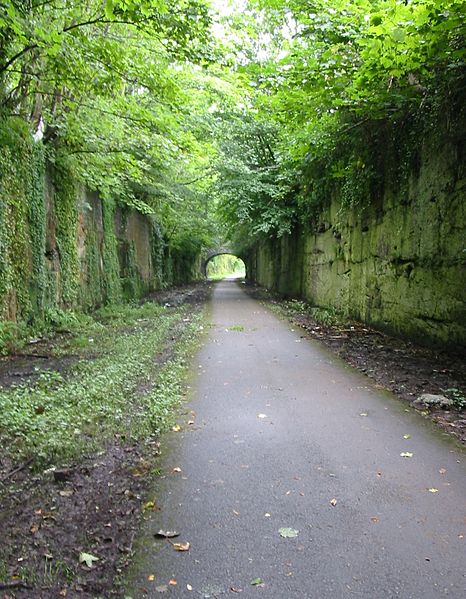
[[326, 316], [117, 389]]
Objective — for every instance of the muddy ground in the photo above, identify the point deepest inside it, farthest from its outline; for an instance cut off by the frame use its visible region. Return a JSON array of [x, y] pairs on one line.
[[402, 367], [48, 519], [96, 505]]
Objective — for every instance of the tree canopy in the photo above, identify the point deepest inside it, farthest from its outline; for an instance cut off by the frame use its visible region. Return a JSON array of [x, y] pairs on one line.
[[225, 116]]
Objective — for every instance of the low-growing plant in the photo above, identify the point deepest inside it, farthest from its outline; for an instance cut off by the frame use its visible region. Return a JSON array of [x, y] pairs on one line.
[[59, 417], [328, 316], [12, 337], [66, 320], [457, 396]]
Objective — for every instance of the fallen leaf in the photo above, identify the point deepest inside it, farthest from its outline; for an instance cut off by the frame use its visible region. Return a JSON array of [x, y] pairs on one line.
[[190, 421], [151, 577], [236, 590], [66, 493], [406, 454], [256, 582], [433, 490], [262, 415], [88, 559], [333, 502], [161, 588], [172, 582], [63, 593], [177, 469], [181, 546], [375, 520], [167, 534], [406, 436], [149, 505], [363, 414], [176, 428], [288, 533], [442, 471]]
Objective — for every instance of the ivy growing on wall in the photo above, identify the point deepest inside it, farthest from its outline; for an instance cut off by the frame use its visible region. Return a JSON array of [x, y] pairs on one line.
[[111, 266], [15, 169], [91, 294], [65, 194], [157, 253], [37, 229]]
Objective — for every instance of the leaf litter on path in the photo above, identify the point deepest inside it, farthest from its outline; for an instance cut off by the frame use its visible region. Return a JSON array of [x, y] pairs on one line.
[[167, 534], [88, 559], [181, 546], [288, 533]]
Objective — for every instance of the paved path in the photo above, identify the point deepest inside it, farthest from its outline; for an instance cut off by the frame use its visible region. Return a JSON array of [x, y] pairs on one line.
[[283, 428]]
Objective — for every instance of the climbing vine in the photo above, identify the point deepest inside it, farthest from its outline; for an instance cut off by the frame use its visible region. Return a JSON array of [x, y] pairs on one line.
[[37, 229], [66, 215], [91, 292], [111, 267], [15, 168]]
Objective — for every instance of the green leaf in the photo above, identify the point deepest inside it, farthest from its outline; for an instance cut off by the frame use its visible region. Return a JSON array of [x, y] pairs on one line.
[[288, 533], [109, 9], [88, 559], [256, 582]]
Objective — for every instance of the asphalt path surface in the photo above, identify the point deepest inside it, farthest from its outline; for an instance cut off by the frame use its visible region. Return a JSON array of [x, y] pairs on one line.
[[283, 435]]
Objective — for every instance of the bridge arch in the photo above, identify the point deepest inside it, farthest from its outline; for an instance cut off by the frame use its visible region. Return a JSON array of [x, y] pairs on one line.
[[219, 251]]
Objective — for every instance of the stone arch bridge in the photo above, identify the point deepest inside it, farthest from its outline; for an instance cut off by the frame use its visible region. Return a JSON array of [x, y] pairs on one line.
[[218, 251]]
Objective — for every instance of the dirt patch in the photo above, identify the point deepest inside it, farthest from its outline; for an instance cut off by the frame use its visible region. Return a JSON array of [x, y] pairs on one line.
[[94, 506], [26, 365], [186, 294], [95, 510], [400, 366]]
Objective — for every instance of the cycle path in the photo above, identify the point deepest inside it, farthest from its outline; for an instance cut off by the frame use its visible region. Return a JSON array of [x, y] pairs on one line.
[[281, 434]]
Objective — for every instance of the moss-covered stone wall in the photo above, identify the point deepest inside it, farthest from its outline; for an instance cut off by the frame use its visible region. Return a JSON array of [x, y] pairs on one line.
[[63, 247], [397, 261]]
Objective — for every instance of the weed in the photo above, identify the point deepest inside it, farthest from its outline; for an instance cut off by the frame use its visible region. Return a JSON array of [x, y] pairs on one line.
[[236, 327], [12, 336], [80, 341], [327, 316], [457, 396]]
